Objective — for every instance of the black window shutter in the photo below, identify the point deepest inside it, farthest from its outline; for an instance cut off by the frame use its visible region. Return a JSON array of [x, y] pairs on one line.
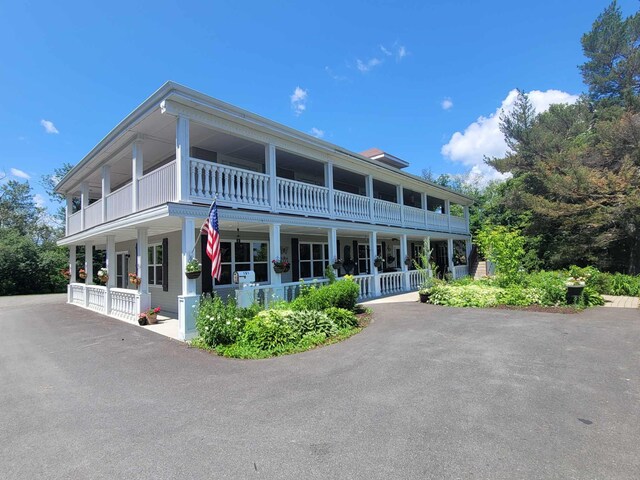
[[165, 264], [356, 257], [337, 251], [207, 279], [295, 260], [384, 251]]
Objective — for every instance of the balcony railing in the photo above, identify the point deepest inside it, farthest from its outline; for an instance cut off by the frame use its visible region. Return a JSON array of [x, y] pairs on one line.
[[238, 187]]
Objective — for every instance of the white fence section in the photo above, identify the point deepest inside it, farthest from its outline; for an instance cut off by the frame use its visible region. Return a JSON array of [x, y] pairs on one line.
[[415, 279], [76, 294], [414, 217], [365, 282], [93, 214], [351, 206], [96, 298], [158, 187], [230, 184], [125, 304], [458, 224], [74, 223], [391, 283], [460, 271], [119, 202], [437, 221], [302, 198], [387, 212]]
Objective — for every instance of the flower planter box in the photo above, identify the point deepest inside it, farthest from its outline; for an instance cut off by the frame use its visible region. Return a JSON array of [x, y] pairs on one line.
[[192, 275], [279, 269], [574, 292]]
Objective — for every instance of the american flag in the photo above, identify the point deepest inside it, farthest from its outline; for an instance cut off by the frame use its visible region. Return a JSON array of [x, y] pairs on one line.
[[213, 240]]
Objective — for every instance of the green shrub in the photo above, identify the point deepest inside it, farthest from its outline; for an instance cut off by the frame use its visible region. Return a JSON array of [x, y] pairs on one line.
[[312, 321], [341, 294], [520, 296], [551, 286], [341, 317], [219, 323], [269, 330], [504, 247], [466, 296], [591, 298], [625, 285]]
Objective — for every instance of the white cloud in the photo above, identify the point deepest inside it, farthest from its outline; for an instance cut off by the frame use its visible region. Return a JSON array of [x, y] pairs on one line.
[[335, 76], [484, 138], [39, 200], [386, 51], [366, 66], [316, 132], [49, 127], [401, 52], [446, 104], [299, 100], [20, 174]]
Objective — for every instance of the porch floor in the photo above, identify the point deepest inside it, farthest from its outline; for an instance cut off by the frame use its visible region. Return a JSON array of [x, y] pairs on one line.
[[398, 298], [167, 326]]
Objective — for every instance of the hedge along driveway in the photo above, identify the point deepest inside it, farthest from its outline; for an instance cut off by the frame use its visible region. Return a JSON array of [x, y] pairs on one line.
[[423, 392]]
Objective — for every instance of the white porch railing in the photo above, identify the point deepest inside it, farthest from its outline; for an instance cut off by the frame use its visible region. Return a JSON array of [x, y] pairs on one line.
[[387, 212], [415, 279], [96, 298], [125, 304], [365, 282], [351, 206], [119, 202], [229, 184], [458, 224], [460, 271], [414, 217], [76, 294], [74, 223], [158, 187], [93, 214], [263, 295], [391, 283], [437, 221], [302, 198]]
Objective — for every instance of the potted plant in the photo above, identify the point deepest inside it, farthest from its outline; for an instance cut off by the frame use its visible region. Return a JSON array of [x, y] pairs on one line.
[[337, 263], [66, 273], [378, 262], [103, 275], [193, 269], [280, 265], [391, 259], [149, 317], [425, 289], [135, 280], [82, 273], [575, 286]]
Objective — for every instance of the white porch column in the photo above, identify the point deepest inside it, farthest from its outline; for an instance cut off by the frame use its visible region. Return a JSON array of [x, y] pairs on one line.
[[189, 299], [405, 268], [328, 179], [425, 209], [369, 188], [84, 202], [270, 169], [88, 262], [188, 243], [274, 252], [137, 168], [111, 260], [468, 245], [182, 158], [400, 201], [106, 189], [72, 263], [447, 210], [68, 211], [466, 218], [142, 260], [373, 244], [450, 255], [332, 238]]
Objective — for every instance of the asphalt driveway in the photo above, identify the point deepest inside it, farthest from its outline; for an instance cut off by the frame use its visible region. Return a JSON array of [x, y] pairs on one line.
[[424, 392]]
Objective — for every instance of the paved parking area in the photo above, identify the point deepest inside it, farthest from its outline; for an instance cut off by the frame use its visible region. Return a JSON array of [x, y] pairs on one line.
[[424, 392]]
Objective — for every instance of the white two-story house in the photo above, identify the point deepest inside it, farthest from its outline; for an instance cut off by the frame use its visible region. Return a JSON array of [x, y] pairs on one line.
[[145, 190]]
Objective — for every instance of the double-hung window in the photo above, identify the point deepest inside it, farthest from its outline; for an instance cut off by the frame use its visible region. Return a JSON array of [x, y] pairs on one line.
[[239, 256], [154, 257], [314, 258]]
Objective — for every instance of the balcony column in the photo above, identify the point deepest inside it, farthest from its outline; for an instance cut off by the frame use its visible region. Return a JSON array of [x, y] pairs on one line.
[[447, 210], [328, 180], [88, 262], [373, 249], [270, 169], [189, 298], [332, 239], [84, 202], [466, 218], [369, 188], [106, 189], [137, 169], [68, 210], [450, 255], [423, 197], [111, 260], [400, 201], [182, 158], [406, 284]]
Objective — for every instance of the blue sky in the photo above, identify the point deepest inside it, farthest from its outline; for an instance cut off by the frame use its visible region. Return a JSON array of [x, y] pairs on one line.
[[400, 76]]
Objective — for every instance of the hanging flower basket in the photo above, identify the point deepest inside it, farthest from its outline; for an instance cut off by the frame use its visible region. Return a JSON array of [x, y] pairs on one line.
[[135, 280], [103, 276], [193, 269], [378, 262], [337, 263], [280, 265], [82, 273], [193, 275]]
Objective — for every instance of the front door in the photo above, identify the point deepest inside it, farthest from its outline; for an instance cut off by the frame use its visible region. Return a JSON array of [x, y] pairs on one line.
[[122, 269]]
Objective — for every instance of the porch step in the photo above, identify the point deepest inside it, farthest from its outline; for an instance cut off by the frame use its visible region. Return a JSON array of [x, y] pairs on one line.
[[478, 270]]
